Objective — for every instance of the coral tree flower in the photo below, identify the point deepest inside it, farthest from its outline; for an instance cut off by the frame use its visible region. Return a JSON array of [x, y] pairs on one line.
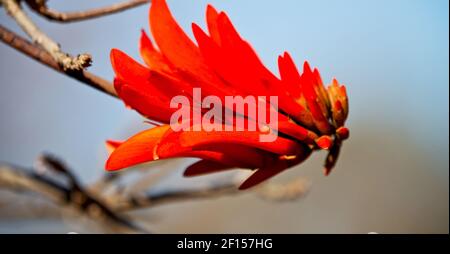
[[310, 116]]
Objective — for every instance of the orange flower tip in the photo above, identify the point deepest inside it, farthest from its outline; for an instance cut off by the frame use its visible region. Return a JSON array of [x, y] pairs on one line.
[[335, 82], [143, 34], [113, 143], [317, 74], [327, 171], [280, 59], [111, 165], [114, 53], [324, 142], [115, 56], [343, 133], [246, 185], [189, 173], [306, 67], [197, 30], [211, 9], [145, 41]]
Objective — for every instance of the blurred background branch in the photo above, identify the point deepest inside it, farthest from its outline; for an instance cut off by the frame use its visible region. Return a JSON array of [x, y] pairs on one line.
[[51, 179], [40, 7]]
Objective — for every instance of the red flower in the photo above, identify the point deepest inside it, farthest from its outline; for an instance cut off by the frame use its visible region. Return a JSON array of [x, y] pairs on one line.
[[310, 117]]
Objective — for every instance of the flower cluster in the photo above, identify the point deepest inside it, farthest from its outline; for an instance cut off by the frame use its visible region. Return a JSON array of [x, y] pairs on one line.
[[310, 116]]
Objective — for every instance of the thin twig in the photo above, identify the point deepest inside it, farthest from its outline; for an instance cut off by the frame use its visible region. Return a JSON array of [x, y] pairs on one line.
[[135, 202], [23, 45], [67, 62], [41, 8], [288, 191]]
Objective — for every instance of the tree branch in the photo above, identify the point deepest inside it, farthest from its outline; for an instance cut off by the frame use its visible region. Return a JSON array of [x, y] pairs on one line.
[[41, 8], [40, 55], [67, 62], [72, 196], [53, 180], [294, 189], [135, 202]]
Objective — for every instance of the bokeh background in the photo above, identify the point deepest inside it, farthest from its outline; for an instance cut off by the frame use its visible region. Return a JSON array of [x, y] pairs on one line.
[[392, 176]]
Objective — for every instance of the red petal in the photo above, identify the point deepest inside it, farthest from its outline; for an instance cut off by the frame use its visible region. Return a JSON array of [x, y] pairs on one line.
[[152, 57], [128, 70], [224, 64], [324, 142], [241, 67], [311, 97], [176, 46], [343, 133], [138, 149], [111, 145], [145, 82], [290, 75], [171, 39], [240, 156], [211, 20], [296, 131], [260, 176], [248, 138], [147, 105], [244, 69], [203, 167], [273, 169]]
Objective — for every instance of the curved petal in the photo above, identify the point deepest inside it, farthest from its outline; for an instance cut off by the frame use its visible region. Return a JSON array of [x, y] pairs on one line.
[[138, 149], [152, 57], [240, 155], [111, 145], [145, 81], [211, 20], [312, 99], [270, 170], [175, 45], [128, 70], [289, 75], [194, 139], [203, 167], [291, 81], [147, 105]]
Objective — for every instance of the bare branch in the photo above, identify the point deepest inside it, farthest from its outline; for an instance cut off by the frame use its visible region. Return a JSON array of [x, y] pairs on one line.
[[169, 196], [45, 58], [41, 8], [289, 191], [294, 189], [67, 62], [23, 180]]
